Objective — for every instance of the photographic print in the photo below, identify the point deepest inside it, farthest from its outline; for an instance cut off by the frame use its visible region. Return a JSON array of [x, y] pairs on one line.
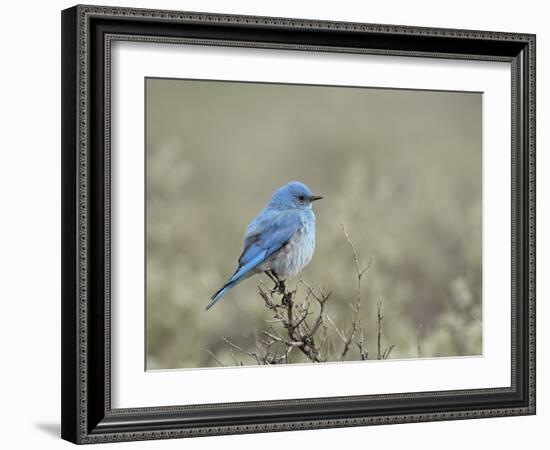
[[294, 223]]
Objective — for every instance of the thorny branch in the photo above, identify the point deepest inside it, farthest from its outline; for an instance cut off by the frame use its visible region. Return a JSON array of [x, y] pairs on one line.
[[303, 324], [293, 316]]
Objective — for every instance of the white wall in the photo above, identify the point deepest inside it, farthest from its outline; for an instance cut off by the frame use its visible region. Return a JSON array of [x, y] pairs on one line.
[[30, 224]]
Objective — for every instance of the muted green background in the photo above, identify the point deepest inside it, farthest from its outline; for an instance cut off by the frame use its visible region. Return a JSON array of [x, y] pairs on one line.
[[401, 169]]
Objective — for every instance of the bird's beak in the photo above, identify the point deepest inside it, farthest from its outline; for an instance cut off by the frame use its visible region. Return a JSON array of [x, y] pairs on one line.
[[315, 197]]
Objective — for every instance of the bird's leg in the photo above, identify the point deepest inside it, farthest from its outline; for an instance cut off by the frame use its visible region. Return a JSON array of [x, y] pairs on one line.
[[274, 289], [279, 283], [279, 287], [269, 273]]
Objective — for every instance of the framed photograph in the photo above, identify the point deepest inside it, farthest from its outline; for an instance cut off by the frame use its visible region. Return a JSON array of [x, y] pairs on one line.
[[278, 224]]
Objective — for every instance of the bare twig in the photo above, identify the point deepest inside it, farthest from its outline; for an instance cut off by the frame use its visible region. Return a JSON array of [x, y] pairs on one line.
[[234, 358], [387, 352], [363, 352], [382, 354], [379, 318], [215, 359], [338, 332], [303, 323], [355, 324], [240, 349], [283, 341], [419, 340], [297, 326]]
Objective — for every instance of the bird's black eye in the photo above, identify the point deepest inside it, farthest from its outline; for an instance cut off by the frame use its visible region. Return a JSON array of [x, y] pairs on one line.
[[302, 198]]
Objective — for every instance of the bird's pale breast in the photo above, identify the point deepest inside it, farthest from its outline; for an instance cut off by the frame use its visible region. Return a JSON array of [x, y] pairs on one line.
[[296, 254]]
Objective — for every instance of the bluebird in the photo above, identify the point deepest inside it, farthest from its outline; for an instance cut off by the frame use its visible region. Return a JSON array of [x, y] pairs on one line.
[[280, 241]]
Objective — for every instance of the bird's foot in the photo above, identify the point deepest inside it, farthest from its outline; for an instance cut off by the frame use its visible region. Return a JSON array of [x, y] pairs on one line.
[[279, 289], [280, 286]]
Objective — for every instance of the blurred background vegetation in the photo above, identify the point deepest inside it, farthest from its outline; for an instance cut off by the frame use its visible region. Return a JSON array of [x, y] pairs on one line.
[[401, 169]]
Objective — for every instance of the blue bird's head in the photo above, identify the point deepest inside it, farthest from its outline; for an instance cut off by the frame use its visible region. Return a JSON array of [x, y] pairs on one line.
[[293, 195]]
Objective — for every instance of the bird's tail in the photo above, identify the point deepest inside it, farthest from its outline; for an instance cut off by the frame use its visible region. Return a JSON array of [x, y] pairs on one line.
[[241, 274], [237, 277], [219, 294]]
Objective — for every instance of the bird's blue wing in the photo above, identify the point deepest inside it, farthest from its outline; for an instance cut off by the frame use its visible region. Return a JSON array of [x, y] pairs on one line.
[[267, 234]]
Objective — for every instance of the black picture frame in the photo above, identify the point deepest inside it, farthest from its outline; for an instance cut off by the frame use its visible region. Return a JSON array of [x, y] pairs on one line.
[[87, 32]]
